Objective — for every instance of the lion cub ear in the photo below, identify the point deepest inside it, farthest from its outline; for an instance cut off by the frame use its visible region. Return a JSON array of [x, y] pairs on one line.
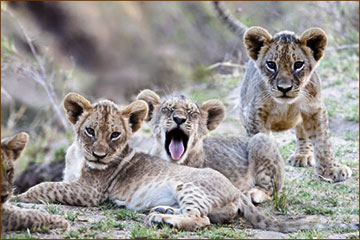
[[254, 39], [152, 100], [316, 40], [136, 112], [15, 144], [214, 112], [75, 105]]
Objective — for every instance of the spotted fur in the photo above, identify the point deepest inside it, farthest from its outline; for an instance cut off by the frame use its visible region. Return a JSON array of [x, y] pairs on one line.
[[281, 90], [183, 197], [254, 165], [12, 217]]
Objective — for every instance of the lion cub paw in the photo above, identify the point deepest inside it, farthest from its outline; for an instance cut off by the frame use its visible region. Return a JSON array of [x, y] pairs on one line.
[[257, 196], [335, 173], [165, 210], [301, 160], [58, 222], [155, 218]]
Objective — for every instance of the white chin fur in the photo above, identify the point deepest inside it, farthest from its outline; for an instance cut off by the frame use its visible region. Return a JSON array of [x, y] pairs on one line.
[[285, 100], [97, 166]]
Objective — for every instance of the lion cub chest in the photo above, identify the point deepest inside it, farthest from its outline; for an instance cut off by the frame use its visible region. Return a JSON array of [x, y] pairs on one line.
[[283, 117]]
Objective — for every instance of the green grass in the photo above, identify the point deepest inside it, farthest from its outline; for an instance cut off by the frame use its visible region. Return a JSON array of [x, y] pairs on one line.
[[124, 214], [287, 150], [26, 235], [221, 232], [53, 209], [140, 231], [71, 216], [107, 224], [352, 112], [72, 234]]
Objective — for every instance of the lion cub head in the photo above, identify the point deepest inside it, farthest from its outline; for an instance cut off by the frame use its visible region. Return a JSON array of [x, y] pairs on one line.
[[180, 124], [11, 149], [103, 129], [285, 61]]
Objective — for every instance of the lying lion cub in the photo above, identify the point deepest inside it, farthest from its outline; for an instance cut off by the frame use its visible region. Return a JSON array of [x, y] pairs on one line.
[[254, 165], [13, 217], [183, 197]]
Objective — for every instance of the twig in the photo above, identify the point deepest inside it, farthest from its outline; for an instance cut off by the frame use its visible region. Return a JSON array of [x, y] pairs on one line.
[[41, 77], [225, 64]]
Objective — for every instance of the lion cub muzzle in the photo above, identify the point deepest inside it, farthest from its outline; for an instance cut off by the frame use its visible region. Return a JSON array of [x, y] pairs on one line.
[[99, 152]]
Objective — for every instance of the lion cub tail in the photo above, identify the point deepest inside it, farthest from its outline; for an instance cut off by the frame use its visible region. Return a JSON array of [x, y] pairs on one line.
[[229, 20], [247, 210]]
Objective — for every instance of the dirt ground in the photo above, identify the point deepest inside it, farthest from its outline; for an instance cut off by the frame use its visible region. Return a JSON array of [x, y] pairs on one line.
[[304, 196]]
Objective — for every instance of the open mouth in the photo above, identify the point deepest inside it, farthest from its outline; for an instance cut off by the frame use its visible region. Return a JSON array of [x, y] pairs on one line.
[[176, 143]]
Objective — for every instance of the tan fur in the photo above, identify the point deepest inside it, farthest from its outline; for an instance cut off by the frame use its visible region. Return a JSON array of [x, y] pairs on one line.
[[12, 217], [253, 165], [265, 108], [183, 197], [286, 97]]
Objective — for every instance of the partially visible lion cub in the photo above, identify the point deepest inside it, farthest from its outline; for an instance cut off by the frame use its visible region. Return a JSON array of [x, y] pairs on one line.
[[180, 127], [183, 197], [281, 90], [12, 217]]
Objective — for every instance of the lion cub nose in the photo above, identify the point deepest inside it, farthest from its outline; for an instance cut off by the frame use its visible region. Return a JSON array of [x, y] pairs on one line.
[[179, 120], [99, 153], [284, 88]]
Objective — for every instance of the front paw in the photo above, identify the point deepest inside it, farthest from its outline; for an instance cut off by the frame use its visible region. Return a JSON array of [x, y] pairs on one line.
[[301, 159], [333, 173], [159, 219], [258, 196], [164, 210], [58, 222]]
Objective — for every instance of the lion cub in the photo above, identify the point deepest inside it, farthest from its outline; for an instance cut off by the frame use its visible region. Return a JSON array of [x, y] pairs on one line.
[[281, 90], [12, 217], [180, 127], [183, 197]]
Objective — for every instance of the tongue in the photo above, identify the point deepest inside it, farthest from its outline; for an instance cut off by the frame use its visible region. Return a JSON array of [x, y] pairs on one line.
[[176, 148]]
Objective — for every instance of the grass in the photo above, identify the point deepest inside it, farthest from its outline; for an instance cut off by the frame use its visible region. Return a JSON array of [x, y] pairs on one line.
[[352, 112], [53, 209], [124, 214], [287, 150], [71, 216], [139, 231], [26, 235], [107, 224], [221, 232]]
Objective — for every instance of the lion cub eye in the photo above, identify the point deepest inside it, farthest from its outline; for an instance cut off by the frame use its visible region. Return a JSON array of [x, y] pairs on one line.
[[299, 65], [90, 132], [166, 110], [271, 66], [9, 172], [115, 136], [194, 115]]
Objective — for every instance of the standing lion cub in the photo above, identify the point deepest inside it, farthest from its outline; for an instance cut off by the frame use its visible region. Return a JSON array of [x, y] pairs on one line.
[[183, 197], [281, 90], [180, 127]]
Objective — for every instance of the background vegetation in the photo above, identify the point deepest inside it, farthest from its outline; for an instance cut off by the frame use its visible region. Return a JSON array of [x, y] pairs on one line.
[[114, 49]]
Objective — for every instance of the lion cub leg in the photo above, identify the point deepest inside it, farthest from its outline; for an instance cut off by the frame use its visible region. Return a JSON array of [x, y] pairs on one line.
[[316, 126], [72, 193], [303, 156], [14, 218], [193, 211], [266, 168]]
